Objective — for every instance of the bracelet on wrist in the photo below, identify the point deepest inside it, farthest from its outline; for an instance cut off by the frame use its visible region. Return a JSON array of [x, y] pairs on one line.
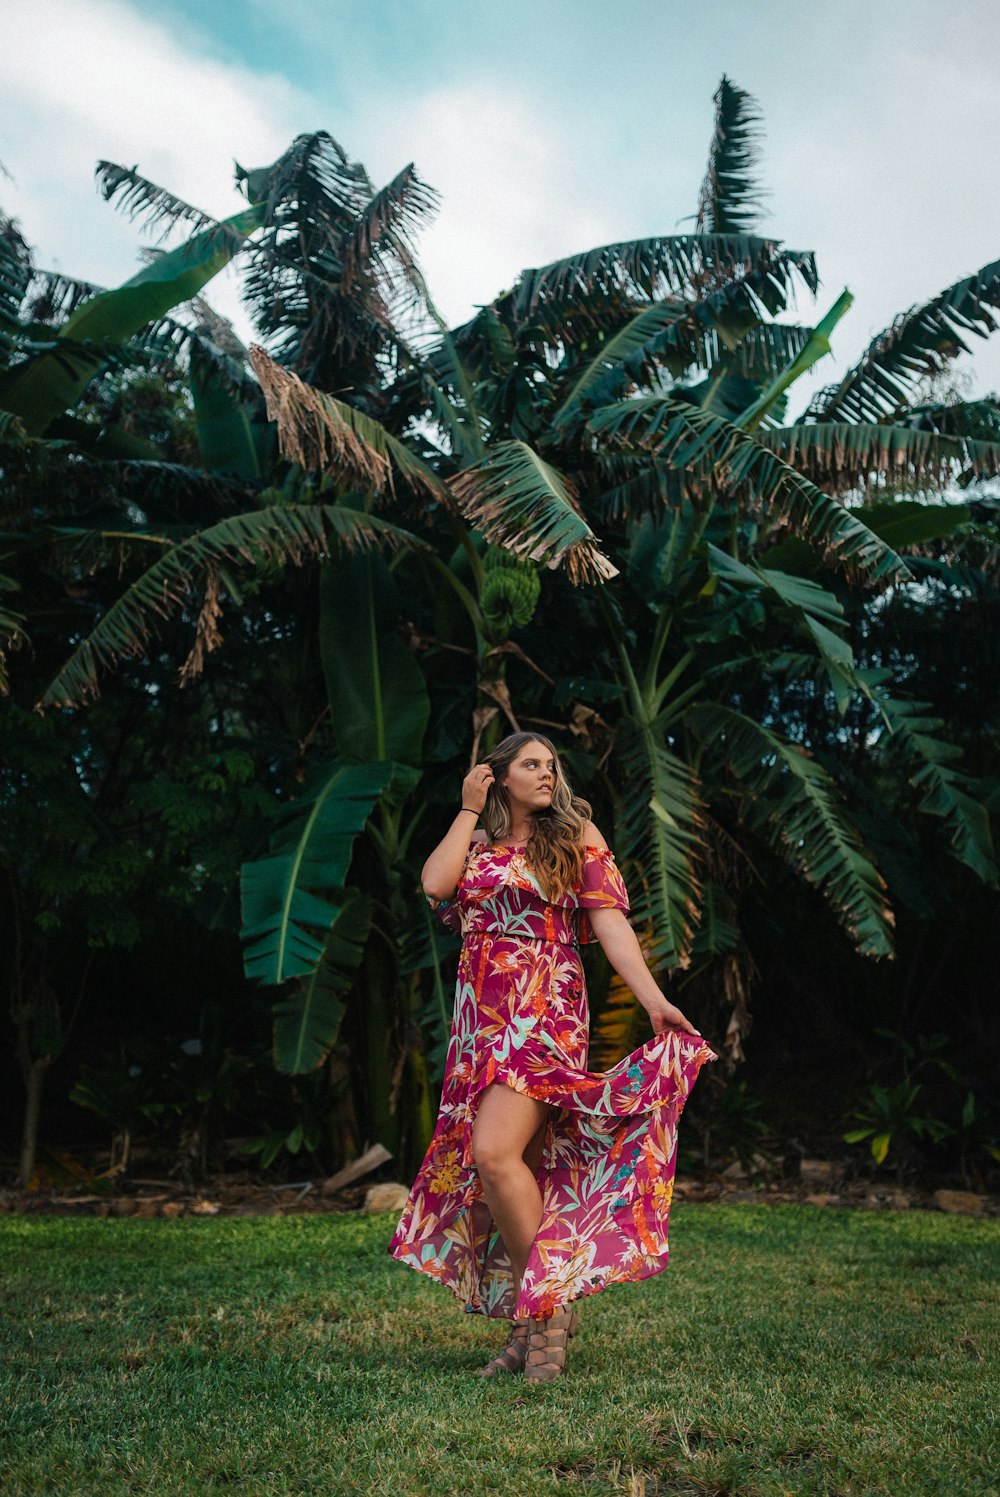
[[469, 808]]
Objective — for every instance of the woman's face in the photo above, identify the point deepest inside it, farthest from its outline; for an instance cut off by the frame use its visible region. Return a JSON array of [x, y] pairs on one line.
[[531, 777]]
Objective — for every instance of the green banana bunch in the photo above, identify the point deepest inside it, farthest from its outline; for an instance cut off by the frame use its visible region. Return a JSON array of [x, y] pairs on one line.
[[510, 589]]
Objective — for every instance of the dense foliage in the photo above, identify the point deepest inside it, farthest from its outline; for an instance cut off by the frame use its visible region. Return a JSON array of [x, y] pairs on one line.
[[585, 509]]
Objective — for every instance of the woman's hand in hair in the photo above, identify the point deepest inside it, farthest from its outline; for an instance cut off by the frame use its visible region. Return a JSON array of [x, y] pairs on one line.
[[475, 787]]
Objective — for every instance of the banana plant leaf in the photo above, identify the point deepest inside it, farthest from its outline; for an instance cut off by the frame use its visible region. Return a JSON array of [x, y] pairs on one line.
[[306, 1025], [324, 434], [791, 800], [224, 437], [519, 501], [291, 898], [902, 523], [845, 454], [797, 592], [920, 342], [817, 346], [379, 703], [672, 334], [948, 791], [731, 198], [15, 276], [282, 532], [43, 387], [660, 820], [719, 456]]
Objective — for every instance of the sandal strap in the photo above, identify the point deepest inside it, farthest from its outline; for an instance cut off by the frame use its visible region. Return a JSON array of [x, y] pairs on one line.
[[547, 1343], [513, 1356]]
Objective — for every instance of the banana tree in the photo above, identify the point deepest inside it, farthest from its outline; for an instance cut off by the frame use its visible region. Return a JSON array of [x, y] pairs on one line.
[[638, 390], [614, 421]]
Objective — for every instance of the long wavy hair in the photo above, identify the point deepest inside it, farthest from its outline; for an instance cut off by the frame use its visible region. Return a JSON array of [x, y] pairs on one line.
[[554, 850]]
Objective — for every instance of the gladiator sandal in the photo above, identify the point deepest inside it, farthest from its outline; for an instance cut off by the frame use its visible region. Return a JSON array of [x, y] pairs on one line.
[[512, 1358], [547, 1342]]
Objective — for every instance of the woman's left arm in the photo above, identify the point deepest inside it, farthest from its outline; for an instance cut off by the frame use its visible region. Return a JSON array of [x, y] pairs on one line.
[[622, 949]]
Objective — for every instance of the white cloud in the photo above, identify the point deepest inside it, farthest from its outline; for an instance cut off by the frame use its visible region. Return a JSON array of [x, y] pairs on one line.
[[512, 194], [884, 182], [89, 79]]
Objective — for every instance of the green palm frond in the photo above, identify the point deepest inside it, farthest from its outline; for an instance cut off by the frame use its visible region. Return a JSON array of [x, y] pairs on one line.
[[315, 173], [53, 296], [979, 419], [41, 388], [799, 593], [765, 350], [731, 197], [288, 533], [521, 503], [167, 493], [846, 454], [659, 827], [672, 334], [635, 489], [716, 457], [814, 611], [322, 434], [642, 269], [325, 307], [913, 738], [910, 523], [920, 342], [298, 919], [792, 801]]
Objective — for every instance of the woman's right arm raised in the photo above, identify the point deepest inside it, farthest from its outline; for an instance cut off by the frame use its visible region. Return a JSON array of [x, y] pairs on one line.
[[443, 869]]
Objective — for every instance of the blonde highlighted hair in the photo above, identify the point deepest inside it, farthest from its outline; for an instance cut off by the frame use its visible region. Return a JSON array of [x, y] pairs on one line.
[[554, 849]]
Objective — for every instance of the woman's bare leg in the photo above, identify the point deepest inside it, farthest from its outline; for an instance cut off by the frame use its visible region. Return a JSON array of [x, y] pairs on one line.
[[532, 1155], [507, 1123]]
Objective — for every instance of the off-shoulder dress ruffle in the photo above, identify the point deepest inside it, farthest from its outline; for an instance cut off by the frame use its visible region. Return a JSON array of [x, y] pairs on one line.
[[521, 1020]]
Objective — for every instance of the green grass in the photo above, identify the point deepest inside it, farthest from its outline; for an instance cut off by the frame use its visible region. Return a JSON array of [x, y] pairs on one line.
[[786, 1349]]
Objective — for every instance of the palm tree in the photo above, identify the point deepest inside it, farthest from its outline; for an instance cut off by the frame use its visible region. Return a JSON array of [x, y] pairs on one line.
[[86, 495], [639, 390], [635, 392]]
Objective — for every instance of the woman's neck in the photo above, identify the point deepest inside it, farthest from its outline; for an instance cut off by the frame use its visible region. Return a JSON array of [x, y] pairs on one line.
[[520, 830]]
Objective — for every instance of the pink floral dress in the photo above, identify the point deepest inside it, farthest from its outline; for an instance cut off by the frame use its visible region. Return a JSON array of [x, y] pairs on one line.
[[521, 1019]]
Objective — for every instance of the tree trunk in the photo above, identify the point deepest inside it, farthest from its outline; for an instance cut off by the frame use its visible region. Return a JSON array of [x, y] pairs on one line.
[[32, 1111]]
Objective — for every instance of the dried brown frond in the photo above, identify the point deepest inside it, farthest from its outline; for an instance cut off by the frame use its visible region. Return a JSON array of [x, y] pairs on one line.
[[208, 636]]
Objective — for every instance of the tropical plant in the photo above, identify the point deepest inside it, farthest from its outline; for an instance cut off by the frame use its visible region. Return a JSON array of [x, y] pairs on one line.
[[640, 390], [616, 423], [890, 1115]]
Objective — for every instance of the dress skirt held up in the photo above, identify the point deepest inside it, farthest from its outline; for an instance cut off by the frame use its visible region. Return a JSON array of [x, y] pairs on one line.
[[521, 1020]]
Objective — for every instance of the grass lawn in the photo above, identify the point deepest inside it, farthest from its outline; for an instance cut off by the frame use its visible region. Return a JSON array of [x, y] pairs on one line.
[[786, 1349]]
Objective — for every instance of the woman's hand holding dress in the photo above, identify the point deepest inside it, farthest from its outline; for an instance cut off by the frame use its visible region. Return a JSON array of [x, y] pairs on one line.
[[664, 1015]]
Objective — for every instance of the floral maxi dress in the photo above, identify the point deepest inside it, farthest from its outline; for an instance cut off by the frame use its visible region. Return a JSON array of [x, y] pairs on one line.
[[521, 1020]]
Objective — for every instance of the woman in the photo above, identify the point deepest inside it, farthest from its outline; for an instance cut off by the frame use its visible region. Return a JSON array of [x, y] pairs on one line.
[[543, 1182]]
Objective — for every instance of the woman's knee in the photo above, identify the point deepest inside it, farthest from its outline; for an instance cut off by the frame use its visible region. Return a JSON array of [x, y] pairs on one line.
[[502, 1131], [493, 1155]]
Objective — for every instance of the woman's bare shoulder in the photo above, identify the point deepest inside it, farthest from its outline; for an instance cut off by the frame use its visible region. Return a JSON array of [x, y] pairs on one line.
[[593, 836], [479, 836]]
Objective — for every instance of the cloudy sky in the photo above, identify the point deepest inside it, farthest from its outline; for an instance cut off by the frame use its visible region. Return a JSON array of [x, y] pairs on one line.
[[548, 126]]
